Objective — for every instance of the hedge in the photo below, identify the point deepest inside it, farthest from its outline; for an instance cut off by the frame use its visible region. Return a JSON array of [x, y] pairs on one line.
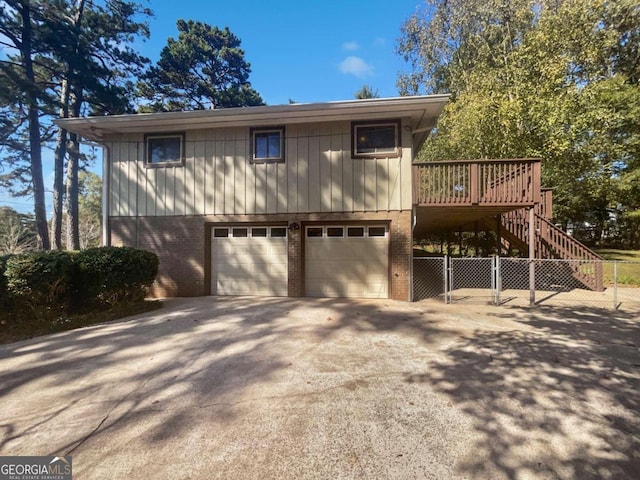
[[41, 279], [59, 281], [116, 274]]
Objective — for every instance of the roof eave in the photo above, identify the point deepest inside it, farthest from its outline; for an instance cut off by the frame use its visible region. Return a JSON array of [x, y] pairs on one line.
[[421, 109]]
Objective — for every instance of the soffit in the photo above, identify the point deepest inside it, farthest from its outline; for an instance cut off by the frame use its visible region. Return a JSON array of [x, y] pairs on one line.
[[423, 112]]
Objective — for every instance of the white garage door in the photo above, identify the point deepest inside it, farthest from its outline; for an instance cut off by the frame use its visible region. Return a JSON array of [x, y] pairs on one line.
[[249, 261], [347, 261]]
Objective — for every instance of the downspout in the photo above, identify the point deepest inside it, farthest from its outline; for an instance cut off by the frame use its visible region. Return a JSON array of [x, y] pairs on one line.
[[414, 222], [106, 159]]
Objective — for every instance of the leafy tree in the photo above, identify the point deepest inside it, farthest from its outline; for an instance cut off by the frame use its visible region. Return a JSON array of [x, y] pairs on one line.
[[90, 209], [446, 40], [64, 57], [367, 91], [97, 64], [17, 232], [24, 74], [203, 69], [551, 79]]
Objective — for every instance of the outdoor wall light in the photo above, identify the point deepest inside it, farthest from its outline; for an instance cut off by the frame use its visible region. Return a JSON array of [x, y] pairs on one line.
[[294, 226]]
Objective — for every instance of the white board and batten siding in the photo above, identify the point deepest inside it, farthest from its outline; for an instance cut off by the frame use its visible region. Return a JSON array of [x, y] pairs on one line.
[[318, 175]]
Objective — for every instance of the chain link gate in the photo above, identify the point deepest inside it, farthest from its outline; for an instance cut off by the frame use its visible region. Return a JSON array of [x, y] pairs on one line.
[[524, 282], [471, 280]]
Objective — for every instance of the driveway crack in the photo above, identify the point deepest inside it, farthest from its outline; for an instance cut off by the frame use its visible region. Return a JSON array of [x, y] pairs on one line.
[[112, 409]]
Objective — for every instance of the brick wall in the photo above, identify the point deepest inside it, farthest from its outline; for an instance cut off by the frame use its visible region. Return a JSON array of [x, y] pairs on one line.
[[179, 243], [183, 245]]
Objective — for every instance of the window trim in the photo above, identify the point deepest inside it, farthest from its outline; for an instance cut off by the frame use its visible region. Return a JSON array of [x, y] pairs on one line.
[[342, 231], [170, 163], [372, 123], [316, 227], [386, 231], [360, 227], [258, 130], [284, 230]]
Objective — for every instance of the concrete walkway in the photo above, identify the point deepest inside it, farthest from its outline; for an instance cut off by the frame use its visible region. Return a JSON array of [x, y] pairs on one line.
[[259, 388]]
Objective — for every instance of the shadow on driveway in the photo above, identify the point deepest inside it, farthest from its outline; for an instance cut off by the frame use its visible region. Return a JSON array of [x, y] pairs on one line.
[[317, 388], [555, 398]]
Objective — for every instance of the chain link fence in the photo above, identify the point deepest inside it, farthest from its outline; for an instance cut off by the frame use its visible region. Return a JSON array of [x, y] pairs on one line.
[[429, 277], [520, 281]]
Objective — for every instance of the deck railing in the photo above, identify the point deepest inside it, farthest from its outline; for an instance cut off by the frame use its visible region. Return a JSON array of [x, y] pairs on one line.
[[545, 207], [477, 182]]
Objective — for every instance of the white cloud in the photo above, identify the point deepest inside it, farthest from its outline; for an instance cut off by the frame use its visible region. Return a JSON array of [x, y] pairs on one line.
[[351, 46], [356, 66], [379, 42]]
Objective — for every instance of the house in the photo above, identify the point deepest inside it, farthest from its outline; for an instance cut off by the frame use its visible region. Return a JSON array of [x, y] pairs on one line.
[[295, 200]]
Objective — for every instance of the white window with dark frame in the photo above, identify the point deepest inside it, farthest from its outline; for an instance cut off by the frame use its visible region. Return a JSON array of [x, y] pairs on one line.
[[375, 139], [267, 145], [166, 149]]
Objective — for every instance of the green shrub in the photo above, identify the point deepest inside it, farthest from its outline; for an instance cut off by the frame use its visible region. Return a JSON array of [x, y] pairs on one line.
[[115, 274], [41, 280]]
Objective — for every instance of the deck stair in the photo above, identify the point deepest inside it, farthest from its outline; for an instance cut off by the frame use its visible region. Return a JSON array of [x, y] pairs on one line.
[[498, 195], [552, 242]]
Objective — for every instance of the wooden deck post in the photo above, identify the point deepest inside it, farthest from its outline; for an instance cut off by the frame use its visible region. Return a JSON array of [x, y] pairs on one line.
[[476, 240], [474, 182], [536, 182]]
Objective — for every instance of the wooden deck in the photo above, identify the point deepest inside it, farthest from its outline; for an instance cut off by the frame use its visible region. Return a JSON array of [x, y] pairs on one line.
[[497, 183], [456, 194], [498, 195]]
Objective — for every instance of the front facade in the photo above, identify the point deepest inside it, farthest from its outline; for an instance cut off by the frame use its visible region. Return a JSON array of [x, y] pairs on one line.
[[292, 200]]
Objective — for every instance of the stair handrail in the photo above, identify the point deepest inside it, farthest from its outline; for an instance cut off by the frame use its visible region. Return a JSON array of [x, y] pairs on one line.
[[575, 249]]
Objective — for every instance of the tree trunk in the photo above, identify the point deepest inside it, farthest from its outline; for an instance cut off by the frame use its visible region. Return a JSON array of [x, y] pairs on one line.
[[72, 190], [61, 144], [35, 149], [58, 161], [73, 229]]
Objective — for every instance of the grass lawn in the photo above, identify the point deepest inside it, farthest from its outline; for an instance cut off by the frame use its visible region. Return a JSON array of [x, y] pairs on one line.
[[628, 273]]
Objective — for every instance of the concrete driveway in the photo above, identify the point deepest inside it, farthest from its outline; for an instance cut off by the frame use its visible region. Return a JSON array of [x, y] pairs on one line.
[[302, 388]]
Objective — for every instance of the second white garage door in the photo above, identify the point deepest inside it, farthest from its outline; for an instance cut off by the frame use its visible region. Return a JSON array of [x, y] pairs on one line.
[[249, 261], [347, 261]]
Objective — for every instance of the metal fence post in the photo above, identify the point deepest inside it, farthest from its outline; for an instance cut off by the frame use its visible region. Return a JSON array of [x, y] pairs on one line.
[[445, 278], [498, 280], [615, 285], [449, 279], [532, 282], [495, 272], [532, 256]]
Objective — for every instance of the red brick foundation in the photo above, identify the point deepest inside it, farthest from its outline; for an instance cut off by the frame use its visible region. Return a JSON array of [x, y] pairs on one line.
[[183, 246]]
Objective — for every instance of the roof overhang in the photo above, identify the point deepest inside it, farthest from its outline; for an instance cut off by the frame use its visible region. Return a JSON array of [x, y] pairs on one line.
[[422, 110]]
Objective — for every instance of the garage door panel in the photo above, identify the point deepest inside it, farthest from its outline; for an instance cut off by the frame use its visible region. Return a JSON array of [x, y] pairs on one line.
[[346, 266], [249, 266], [280, 250], [374, 279], [232, 269], [278, 269]]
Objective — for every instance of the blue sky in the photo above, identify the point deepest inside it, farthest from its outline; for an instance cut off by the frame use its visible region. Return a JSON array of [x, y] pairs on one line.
[[304, 50], [308, 51]]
